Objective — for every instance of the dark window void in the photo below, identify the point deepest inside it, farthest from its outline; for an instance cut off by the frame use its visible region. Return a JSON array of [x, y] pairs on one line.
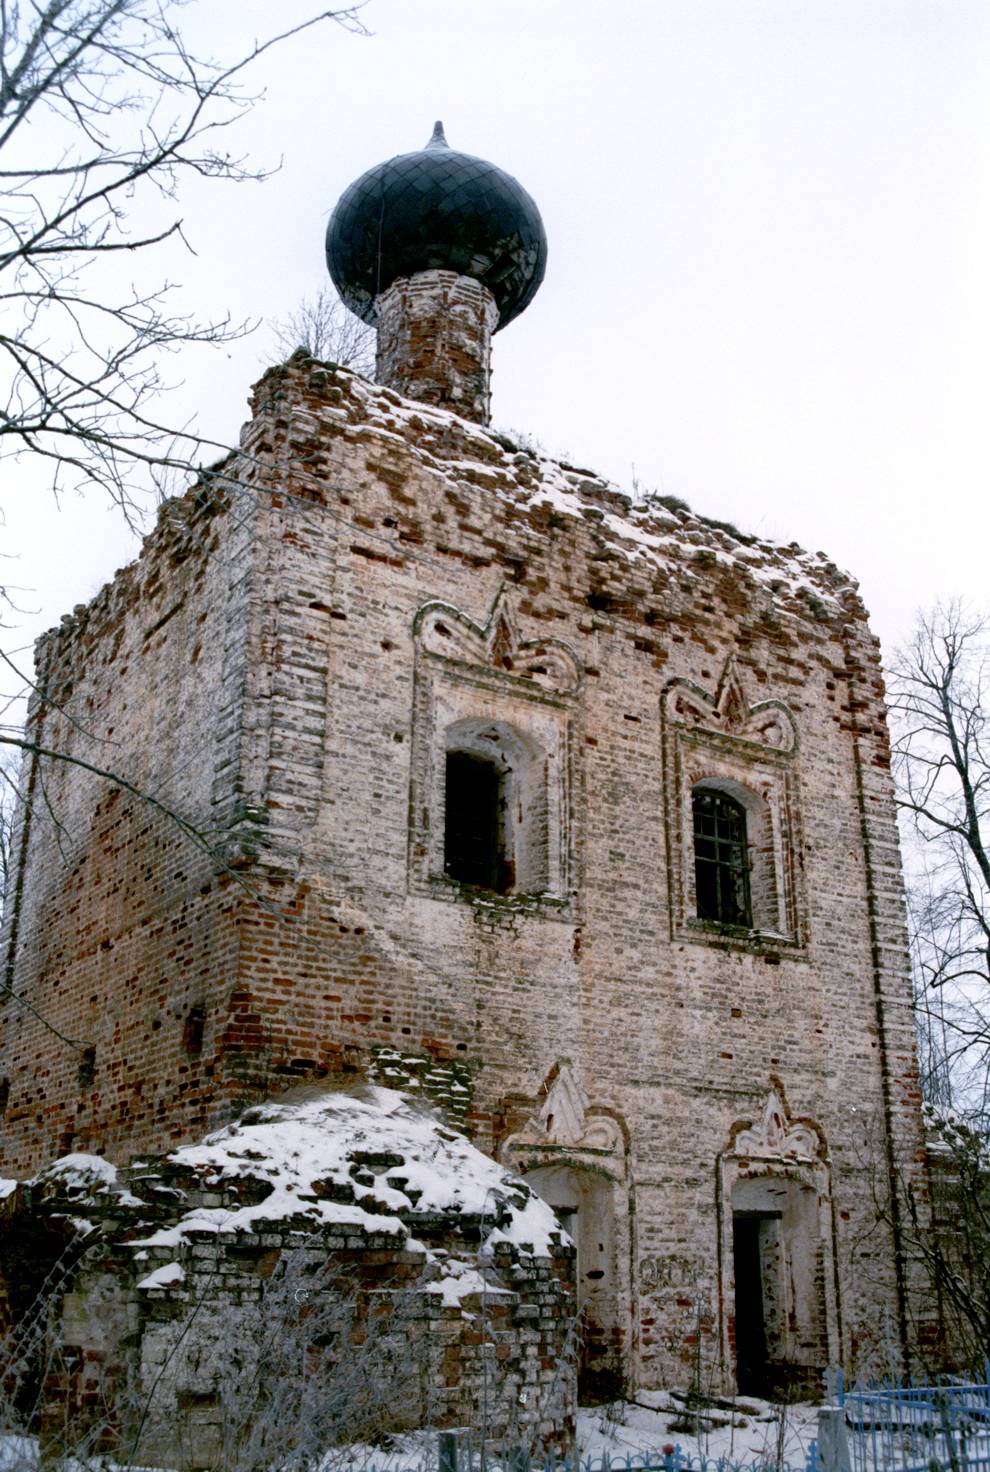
[[721, 861], [192, 1029], [87, 1068], [474, 823]]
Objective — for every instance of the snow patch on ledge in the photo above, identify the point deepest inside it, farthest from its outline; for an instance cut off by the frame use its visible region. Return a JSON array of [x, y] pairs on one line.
[[166, 1276], [84, 1179], [462, 1280]]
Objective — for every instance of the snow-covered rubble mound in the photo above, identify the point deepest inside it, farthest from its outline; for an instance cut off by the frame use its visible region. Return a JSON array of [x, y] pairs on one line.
[[319, 1223], [370, 1159]]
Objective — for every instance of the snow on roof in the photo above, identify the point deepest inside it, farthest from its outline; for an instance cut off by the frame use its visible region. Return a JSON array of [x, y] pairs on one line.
[[660, 532]]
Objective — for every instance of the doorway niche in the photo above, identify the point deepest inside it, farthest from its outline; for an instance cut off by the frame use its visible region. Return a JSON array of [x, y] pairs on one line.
[[781, 1318], [574, 1154]]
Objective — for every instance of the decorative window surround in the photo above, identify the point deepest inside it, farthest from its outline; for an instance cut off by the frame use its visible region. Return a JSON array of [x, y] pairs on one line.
[[564, 1124], [776, 1136], [719, 741], [480, 686]]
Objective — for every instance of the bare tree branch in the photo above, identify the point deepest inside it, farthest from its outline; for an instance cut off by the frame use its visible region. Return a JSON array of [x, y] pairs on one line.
[[328, 331], [128, 110], [938, 699]]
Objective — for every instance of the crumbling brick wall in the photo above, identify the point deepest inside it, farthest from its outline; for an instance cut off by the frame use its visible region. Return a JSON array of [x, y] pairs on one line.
[[210, 1350], [639, 651]]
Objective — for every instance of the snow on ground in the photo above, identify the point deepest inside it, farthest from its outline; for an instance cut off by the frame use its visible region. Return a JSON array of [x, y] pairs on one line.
[[752, 1431], [645, 1429], [19, 1454], [746, 1430]]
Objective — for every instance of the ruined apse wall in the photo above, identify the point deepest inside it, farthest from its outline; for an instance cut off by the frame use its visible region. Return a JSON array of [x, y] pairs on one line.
[[408, 581], [366, 1262]]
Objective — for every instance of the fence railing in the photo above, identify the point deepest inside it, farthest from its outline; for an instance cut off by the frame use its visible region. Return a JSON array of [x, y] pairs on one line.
[[681, 1461], [465, 1459], [883, 1427], [917, 1428]]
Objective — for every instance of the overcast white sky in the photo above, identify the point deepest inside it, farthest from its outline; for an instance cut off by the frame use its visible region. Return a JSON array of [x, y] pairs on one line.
[[767, 292]]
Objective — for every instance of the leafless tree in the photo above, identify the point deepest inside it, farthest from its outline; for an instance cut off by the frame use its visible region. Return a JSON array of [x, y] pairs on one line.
[[939, 703], [326, 329], [289, 1377], [104, 109], [8, 811], [949, 1234], [938, 691]]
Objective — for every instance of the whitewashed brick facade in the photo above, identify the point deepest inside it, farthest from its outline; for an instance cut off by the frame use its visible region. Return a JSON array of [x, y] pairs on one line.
[[371, 585]]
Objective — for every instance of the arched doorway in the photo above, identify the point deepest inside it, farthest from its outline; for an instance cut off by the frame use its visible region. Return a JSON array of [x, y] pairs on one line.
[[781, 1342], [574, 1154], [582, 1199], [781, 1319]]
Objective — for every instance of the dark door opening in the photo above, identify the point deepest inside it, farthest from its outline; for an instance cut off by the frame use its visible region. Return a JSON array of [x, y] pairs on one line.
[[752, 1369]]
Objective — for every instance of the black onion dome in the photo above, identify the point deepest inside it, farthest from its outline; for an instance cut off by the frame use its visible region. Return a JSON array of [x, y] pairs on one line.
[[436, 209]]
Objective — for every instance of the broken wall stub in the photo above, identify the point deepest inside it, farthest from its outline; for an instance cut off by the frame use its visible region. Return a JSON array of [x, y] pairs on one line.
[[624, 657], [339, 1332], [170, 1332]]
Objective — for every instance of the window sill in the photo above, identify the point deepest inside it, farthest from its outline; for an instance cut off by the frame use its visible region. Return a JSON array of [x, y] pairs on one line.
[[490, 902], [767, 943]]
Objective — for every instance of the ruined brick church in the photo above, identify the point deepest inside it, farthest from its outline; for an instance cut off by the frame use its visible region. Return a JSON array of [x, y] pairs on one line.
[[571, 814]]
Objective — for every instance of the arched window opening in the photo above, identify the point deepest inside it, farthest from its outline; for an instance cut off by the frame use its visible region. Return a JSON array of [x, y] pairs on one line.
[[721, 858], [495, 830], [474, 825]]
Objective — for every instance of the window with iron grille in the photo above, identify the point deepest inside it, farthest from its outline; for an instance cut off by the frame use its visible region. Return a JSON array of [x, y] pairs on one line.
[[721, 858]]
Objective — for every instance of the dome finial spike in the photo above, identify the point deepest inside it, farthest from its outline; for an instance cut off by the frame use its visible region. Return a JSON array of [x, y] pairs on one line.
[[437, 139]]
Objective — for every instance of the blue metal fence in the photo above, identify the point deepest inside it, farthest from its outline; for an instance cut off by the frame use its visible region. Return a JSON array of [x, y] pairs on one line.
[[681, 1461], [650, 1460], [883, 1427], [918, 1428]]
